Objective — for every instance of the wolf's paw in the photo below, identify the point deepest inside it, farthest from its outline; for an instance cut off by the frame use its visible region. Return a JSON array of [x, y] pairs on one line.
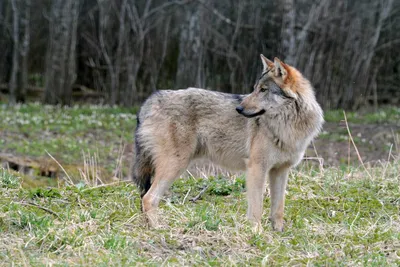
[[152, 219], [256, 227], [277, 225]]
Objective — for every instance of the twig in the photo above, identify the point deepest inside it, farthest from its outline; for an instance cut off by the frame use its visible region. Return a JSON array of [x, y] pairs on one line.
[[354, 145], [318, 159], [40, 207], [119, 159], [187, 193], [396, 140], [387, 163], [348, 154], [69, 178], [200, 194]]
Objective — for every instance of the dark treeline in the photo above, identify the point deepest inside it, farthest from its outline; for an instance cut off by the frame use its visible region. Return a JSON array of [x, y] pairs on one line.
[[122, 50]]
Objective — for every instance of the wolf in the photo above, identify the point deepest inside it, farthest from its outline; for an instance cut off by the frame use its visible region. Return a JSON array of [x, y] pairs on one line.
[[265, 133]]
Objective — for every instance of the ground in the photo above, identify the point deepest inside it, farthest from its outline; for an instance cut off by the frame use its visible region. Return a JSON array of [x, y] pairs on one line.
[[71, 134], [374, 142], [340, 212]]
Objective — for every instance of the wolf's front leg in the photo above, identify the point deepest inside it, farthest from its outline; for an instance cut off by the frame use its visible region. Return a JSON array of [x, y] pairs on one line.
[[255, 184], [277, 184]]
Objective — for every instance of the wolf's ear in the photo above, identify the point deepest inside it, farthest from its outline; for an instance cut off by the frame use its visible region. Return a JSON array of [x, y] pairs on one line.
[[281, 69], [267, 64], [283, 76]]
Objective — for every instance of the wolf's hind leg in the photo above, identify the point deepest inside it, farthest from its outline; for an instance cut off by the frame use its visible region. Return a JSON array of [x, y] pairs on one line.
[[166, 171], [277, 184]]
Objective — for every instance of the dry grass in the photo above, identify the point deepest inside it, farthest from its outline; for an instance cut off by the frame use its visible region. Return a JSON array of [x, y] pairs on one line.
[[346, 216], [333, 217]]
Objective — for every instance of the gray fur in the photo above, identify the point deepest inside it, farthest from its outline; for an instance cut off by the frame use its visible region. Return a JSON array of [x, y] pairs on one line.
[[177, 127]]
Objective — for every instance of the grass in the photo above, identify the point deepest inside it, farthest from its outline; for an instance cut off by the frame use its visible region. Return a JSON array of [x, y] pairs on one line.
[[67, 132], [384, 115], [35, 128], [335, 216]]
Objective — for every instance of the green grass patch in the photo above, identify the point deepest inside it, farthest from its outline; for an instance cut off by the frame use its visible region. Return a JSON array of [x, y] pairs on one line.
[[66, 133], [343, 216], [333, 217], [9, 179], [383, 115], [36, 128]]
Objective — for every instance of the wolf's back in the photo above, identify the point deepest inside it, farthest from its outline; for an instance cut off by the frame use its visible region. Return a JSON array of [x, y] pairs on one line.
[[202, 119]]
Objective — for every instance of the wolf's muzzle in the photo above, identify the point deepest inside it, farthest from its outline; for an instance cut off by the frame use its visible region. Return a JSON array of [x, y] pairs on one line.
[[241, 111]]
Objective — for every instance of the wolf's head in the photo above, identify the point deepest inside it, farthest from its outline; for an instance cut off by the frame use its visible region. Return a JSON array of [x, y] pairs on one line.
[[278, 85]]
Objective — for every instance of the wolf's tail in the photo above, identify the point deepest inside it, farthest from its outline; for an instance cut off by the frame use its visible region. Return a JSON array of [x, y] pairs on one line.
[[143, 168]]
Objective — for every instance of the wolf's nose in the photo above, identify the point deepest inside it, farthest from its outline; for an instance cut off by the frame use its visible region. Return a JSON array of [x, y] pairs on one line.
[[239, 109]]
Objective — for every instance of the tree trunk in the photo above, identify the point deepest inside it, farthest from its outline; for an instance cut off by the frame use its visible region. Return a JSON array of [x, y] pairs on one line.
[[363, 80], [15, 62], [25, 51], [60, 63], [288, 31], [190, 59], [103, 26], [70, 64]]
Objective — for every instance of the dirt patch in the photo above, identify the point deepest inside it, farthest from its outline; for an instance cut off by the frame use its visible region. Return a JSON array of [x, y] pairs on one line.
[[29, 166], [374, 142]]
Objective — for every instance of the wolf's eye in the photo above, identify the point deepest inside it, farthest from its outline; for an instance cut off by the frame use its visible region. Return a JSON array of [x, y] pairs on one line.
[[263, 89]]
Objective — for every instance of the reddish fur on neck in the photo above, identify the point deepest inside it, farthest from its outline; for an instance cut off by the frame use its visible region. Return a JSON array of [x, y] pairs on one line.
[[293, 80]]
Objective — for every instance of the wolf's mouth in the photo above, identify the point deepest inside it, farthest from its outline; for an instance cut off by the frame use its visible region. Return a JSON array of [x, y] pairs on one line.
[[251, 115]]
